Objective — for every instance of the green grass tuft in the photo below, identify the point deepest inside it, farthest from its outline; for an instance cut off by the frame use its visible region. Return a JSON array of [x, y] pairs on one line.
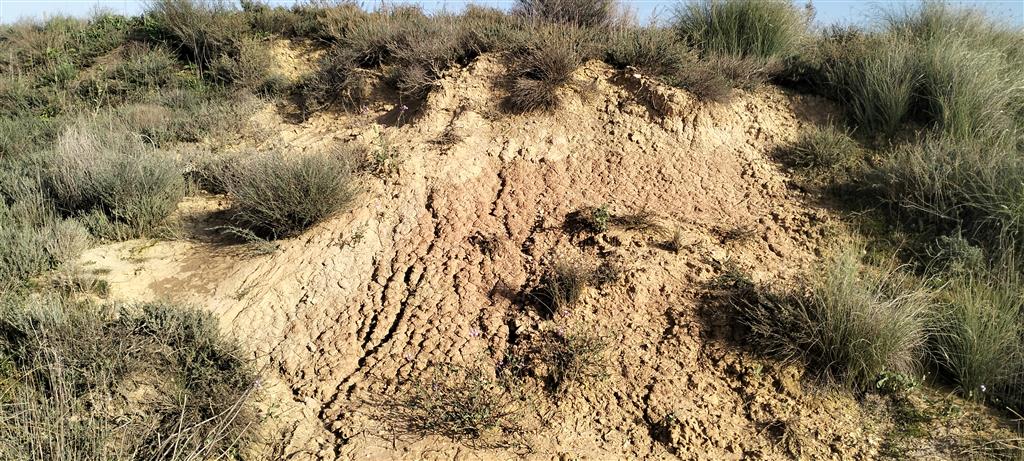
[[856, 323], [745, 28]]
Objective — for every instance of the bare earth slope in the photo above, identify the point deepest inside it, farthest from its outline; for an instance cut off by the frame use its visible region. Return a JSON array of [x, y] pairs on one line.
[[427, 270]]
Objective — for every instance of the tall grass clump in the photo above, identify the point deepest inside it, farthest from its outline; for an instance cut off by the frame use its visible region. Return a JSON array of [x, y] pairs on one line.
[[578, 13], [654, 50], [280, 195], [856, 323], [746, 28], [979, 341], [110, 177], [543, 68], [875, 76], [946, 184], [153, 381]]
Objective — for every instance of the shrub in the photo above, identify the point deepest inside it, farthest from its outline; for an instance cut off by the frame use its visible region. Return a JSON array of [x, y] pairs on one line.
[[714, 78], [653, 50], [278, 195], [578, 13], [569, 359], [824, 148], [98, 168], [539, 71], [33, 239], [66, 368], [875, 77], [458, 402], [979, 336], [747, 28], [951, 184], [856, 323], [562, 287], [432, 48], [214, 36]]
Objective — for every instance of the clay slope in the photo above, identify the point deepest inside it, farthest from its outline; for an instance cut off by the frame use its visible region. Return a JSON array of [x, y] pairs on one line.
[[429, 267]]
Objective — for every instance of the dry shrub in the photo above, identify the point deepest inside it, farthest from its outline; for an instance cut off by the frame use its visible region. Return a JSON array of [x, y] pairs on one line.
[[99, 169], [713, 78], [562, 287], [214, 36], [653, 50], [277, 195], [67, 371], [577, 13], [567, 360], [543, 68], [459, 402]]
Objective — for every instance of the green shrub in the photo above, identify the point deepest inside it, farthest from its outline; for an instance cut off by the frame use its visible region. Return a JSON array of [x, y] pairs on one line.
[[948, 184], [541, 70], [979, 336], [578, 13], [99, 169], [747, 28], [66, 368], [875, 77], [33, 239], [856, 323], [278, 195], [824, 148], [653, 50]]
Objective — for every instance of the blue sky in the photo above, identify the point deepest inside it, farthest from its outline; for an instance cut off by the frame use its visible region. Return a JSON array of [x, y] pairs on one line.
[[828, 11]]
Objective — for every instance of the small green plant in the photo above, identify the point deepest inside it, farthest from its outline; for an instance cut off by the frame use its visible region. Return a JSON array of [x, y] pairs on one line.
[[590, 219], [896, 384], [277, 195]]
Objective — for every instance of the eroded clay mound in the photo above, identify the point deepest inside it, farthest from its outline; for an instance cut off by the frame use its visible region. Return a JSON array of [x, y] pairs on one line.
[[427, 269]]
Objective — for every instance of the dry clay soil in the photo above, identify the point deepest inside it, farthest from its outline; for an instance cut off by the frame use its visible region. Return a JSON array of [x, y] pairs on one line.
[[464, 213]]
